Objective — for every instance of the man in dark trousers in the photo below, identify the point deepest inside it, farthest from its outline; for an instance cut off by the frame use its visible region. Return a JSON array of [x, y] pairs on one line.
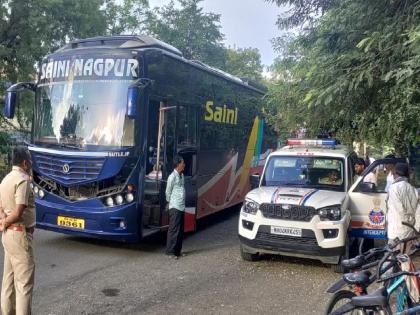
[[175, 196]]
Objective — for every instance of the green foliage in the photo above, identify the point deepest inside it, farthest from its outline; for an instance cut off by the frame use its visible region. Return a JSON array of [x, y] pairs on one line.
[[245, 63], [355, 72], [6, 144], [302, 13], [195, 33], [126, 18], [29, 29]]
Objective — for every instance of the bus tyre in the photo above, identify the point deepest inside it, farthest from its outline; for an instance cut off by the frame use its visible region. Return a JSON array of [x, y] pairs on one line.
[[247, 256]]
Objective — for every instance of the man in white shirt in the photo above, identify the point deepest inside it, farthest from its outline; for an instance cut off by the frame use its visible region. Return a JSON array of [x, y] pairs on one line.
[[359, 167], [402, 205], [175, 196], [389, 168]]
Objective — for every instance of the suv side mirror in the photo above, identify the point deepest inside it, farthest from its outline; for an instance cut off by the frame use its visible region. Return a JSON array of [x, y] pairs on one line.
[[367, 187], [254, 180]]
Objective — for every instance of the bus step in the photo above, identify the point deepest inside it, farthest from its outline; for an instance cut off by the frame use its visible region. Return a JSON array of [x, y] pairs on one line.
[[149, 230]]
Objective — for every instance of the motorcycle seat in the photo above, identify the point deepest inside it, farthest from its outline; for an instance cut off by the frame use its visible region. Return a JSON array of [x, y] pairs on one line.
[[358, 278], [353, 263]]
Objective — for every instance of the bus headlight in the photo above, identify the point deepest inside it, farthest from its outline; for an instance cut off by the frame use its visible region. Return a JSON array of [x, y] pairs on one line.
[[36, 190], [119, 199], [129, 197], [330, 213], [41, 193], [109, 201], [250, 206]]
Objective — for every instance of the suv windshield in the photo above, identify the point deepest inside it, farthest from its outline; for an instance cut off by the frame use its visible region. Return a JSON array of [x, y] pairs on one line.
[[84, 106], [315, 172]]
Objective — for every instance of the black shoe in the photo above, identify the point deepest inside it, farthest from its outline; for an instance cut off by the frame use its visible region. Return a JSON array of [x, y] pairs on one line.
[[172, 256]]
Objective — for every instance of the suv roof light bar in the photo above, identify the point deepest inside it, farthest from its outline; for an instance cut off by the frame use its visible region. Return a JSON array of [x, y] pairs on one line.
[[312, 142]]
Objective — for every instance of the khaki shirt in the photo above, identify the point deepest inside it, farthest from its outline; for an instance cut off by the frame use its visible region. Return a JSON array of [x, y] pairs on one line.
[[15, 189]]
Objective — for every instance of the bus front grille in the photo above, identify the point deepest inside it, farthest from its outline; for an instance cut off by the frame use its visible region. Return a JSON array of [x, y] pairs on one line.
[[69, 170]]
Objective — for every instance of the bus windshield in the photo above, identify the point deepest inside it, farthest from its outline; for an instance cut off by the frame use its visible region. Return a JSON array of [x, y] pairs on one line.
[[83, 113], [313, 172]]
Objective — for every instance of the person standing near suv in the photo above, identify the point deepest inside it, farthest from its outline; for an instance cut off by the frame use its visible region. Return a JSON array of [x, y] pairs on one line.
[[402, 205], [175, 196]]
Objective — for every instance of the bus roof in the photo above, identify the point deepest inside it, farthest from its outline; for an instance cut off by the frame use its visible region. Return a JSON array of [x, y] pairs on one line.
[[144, 41]]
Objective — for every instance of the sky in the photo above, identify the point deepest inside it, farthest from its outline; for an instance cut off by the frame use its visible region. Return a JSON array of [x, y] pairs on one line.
[[245, 23]]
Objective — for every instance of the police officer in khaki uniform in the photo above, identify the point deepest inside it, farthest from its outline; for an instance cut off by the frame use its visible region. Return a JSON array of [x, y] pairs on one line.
[[17, 222]]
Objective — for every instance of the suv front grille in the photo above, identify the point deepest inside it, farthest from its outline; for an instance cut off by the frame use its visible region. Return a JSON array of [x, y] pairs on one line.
[[288, 212], [268, 238]]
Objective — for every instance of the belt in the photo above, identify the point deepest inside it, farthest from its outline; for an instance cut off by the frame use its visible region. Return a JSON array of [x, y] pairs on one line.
[[20, 228]]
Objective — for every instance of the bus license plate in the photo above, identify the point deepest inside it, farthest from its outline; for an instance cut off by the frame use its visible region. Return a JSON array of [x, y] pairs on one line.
[[71, 222], [280, 230]]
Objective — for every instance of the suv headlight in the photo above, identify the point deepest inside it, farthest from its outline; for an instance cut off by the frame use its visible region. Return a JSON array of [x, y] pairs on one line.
[[330, 213], [250, 206]]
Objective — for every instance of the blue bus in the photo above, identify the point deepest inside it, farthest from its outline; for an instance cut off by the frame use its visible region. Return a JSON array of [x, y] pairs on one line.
[[110, 114]]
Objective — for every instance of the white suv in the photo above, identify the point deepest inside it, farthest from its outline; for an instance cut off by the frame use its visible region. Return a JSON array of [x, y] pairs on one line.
[[299, 207]]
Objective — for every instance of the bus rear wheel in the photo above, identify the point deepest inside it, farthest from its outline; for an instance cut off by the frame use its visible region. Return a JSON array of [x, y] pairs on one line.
[[247, 256]]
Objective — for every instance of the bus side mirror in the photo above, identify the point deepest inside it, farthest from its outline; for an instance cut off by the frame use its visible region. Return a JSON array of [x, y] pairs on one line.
[[11, 97], [136, 91], [254, 180], [10, 104], [132, 97]]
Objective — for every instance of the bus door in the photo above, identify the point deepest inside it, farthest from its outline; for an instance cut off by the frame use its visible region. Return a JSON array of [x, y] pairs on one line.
[[187, 148], [161, 148], [367, 200]]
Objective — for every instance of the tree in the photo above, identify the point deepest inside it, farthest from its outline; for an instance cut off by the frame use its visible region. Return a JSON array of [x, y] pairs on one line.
[[355, 71], [128, 17], [29, 29], [195, 33], [244, 62], [302, 13]]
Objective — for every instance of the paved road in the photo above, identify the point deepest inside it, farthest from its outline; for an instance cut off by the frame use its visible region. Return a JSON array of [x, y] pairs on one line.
[[79, 276]]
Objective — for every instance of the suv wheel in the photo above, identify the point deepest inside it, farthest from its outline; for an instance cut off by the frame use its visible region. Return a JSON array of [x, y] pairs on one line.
[[248, 256], [338, 268]]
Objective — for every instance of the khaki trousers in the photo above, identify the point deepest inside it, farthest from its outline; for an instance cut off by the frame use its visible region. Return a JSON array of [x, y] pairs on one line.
[[18, 274]]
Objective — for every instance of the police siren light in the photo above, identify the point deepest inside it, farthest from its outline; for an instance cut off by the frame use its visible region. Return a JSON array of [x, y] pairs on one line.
[[312, 142]]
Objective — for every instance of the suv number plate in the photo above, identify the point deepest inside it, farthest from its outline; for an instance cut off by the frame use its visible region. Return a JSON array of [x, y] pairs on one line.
[[280, 230]]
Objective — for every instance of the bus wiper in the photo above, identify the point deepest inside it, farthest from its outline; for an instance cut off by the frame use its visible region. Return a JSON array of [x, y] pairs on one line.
[[72, 142], [69, 146]]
